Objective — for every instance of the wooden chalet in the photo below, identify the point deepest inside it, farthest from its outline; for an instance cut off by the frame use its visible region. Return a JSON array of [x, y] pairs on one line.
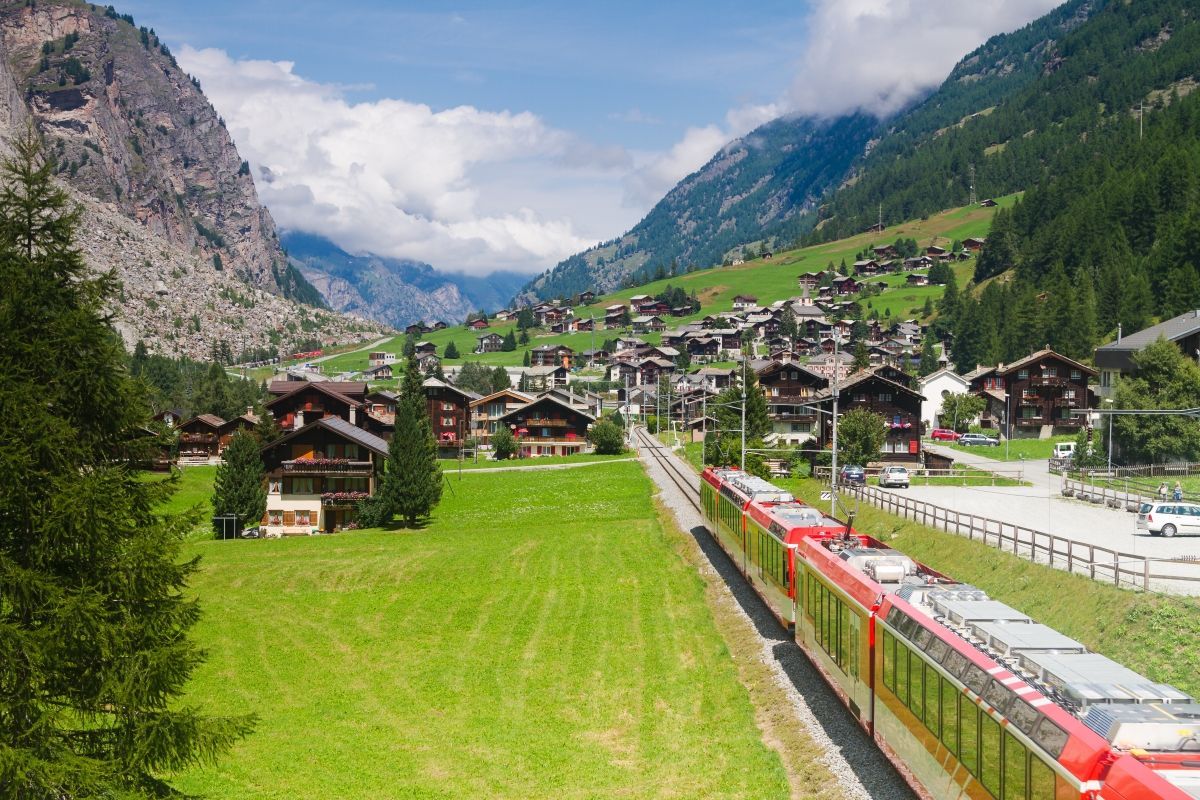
[[585, 298], [490, 343], [317, 474], [200, 438], [477, 324], [425, 348], [899, 406], [308, 401], [449, 413], [974, 243], [742, 302], [551, 355], [791, 391], [486, 412], [549, 427], [383, 372], [1035, 395]]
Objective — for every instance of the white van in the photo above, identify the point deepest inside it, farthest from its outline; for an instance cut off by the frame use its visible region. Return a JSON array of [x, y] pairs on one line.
[[1064, 449]]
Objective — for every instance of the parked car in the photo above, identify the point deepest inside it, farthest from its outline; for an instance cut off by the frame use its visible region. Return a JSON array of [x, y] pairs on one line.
[[852, 473], [978, 439], [1064, 449], [944, 435], [1168, 519], [894, 476]]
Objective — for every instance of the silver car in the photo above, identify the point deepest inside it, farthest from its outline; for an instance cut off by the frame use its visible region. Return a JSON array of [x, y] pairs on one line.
[[894, 476], [1169, 518]]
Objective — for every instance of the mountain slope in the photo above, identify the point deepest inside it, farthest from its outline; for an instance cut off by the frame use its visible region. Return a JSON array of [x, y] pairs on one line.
[[395, 291], [773, 183], [766, 177], [129, 128]]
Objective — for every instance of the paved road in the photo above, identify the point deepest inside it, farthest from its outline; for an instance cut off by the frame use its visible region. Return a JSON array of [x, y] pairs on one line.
[[1042, 507]]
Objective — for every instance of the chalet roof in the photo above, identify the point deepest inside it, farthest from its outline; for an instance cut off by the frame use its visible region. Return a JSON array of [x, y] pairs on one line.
[[864, 375], [978, 372], [550, 398], [342, 387], [745, 298], [1038, 356], [549, 369], [489, 336], [944, 372], [340, 427], [644, 319], [328, 388], [659, 362], [212, 420], [513, 393], [434, 383], [727, 372], [379, 369], [777, 364], [1172, 330]]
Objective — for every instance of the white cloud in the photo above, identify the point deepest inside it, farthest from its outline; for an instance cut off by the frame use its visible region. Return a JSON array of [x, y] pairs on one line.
[[879, 54], [398, 178], [874, 55]]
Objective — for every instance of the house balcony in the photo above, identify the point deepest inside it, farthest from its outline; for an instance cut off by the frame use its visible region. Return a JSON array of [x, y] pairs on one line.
[[806, 416], [342, 499], [325, 466], [546, 423], [197, 438]]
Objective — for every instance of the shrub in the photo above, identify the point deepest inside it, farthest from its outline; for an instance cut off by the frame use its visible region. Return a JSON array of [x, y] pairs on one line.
[[607, 438], [504, 445]]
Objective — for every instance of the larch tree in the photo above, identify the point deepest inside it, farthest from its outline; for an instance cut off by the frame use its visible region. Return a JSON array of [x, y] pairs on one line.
[[94, 616], [412, 480]]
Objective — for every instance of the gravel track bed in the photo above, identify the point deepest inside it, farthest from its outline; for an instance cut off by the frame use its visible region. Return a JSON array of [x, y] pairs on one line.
[[847, 752]]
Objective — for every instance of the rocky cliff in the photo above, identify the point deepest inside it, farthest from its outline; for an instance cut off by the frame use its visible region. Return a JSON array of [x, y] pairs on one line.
[[129, 128]]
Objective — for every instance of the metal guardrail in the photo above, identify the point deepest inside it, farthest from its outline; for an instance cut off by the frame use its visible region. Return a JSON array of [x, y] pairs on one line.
[[1080, 558]]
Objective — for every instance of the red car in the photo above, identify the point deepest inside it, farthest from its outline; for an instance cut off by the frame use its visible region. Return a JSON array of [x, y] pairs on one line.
[[944, 435]]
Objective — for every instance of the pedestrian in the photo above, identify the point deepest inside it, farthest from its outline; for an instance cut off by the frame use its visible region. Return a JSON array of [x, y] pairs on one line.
[[1162, 491], [1178, 492]]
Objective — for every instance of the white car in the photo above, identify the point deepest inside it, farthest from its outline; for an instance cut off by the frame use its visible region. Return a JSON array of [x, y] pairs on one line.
[[1168, 519], [894, 476]]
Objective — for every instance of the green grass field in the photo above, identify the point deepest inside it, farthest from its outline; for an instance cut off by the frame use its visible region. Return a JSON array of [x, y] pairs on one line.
[[770, 280], [541, 638], [1155, 635], [450, 466], [195, 490], [1016, 450]]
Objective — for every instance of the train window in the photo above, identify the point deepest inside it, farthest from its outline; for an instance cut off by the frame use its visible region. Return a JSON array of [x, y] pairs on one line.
[[954, 663], [844, 648], [1041, 779], [907, 626], [889, 661], [854, 631], [902, 672], [933, 690], [950, 695], [989, 754], [937, 650], [997, 696], [1050, 737], [968, 734], [921, 637], [1015, 756], [916, 686], [893, 616], [1023, 716], [975, 679]]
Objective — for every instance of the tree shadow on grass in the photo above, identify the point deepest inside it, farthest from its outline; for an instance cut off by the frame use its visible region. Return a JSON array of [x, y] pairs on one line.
[[877, 775]]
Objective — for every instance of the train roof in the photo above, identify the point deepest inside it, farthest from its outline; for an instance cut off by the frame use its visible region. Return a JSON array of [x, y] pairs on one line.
[[791, 520], [747, 486]]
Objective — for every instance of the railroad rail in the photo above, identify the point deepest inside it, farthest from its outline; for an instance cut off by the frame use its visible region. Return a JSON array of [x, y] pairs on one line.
[[685, 480]]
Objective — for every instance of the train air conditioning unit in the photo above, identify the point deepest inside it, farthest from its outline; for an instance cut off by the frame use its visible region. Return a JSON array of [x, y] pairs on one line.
[[1161, 729], [1090, 679]]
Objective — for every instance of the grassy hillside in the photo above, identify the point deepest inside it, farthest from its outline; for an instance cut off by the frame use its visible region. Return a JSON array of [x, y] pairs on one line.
[[769, 280], [541, 638]]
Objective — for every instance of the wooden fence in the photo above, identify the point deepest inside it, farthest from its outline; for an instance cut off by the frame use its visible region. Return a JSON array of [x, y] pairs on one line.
[[1098, 563], [968, 476], [1128, 497]]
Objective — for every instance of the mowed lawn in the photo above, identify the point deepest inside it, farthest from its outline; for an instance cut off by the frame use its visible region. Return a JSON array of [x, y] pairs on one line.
[[541, 638]]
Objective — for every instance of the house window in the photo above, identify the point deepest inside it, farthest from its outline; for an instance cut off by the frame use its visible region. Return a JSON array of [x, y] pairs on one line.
[[545, 433], [447, 406], [1051, 372], [1105, 379], [447, 422], [275, 486], [275, 517], [298, 486], [1023, 374], [860, 398], [885, 397], [1069, 394], [1076, 374], [302, 518]]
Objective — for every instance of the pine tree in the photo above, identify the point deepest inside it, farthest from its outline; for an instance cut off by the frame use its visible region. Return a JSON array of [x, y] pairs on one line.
[[929, 359], [412, 479], [267, 429], [94, 614], [500, 379], [862, 359], [510, 342], [238, 487], [451, 350], [525, 359]]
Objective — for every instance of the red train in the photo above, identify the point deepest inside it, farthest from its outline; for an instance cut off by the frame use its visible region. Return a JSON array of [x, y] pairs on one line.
[[967, 696], [304, 356]]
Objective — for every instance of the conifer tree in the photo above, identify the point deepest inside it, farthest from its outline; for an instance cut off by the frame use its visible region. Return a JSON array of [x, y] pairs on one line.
[[412, 478], [94, 618], [238, 487], [510, 342], [451, 350], [862, 359], [929, 359]]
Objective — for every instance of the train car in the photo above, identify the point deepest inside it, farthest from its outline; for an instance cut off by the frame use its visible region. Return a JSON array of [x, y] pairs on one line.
[[760, 556], [968, 697]]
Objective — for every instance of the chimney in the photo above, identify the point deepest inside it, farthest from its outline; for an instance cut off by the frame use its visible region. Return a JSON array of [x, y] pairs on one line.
[[299, 423], [353, 415], [249, 410]]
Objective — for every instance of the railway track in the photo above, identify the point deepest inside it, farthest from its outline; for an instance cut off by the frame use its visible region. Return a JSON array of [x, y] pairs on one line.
[[857, 765], [684, 479]]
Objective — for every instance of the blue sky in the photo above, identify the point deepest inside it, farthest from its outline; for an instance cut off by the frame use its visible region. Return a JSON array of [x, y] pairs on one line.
[[508, 135]]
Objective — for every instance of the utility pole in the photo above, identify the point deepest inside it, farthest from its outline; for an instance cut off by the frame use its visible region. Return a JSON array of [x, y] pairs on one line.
[[743, 410], [1141, 112], [971, 170], [881, 217], [833, 474]]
